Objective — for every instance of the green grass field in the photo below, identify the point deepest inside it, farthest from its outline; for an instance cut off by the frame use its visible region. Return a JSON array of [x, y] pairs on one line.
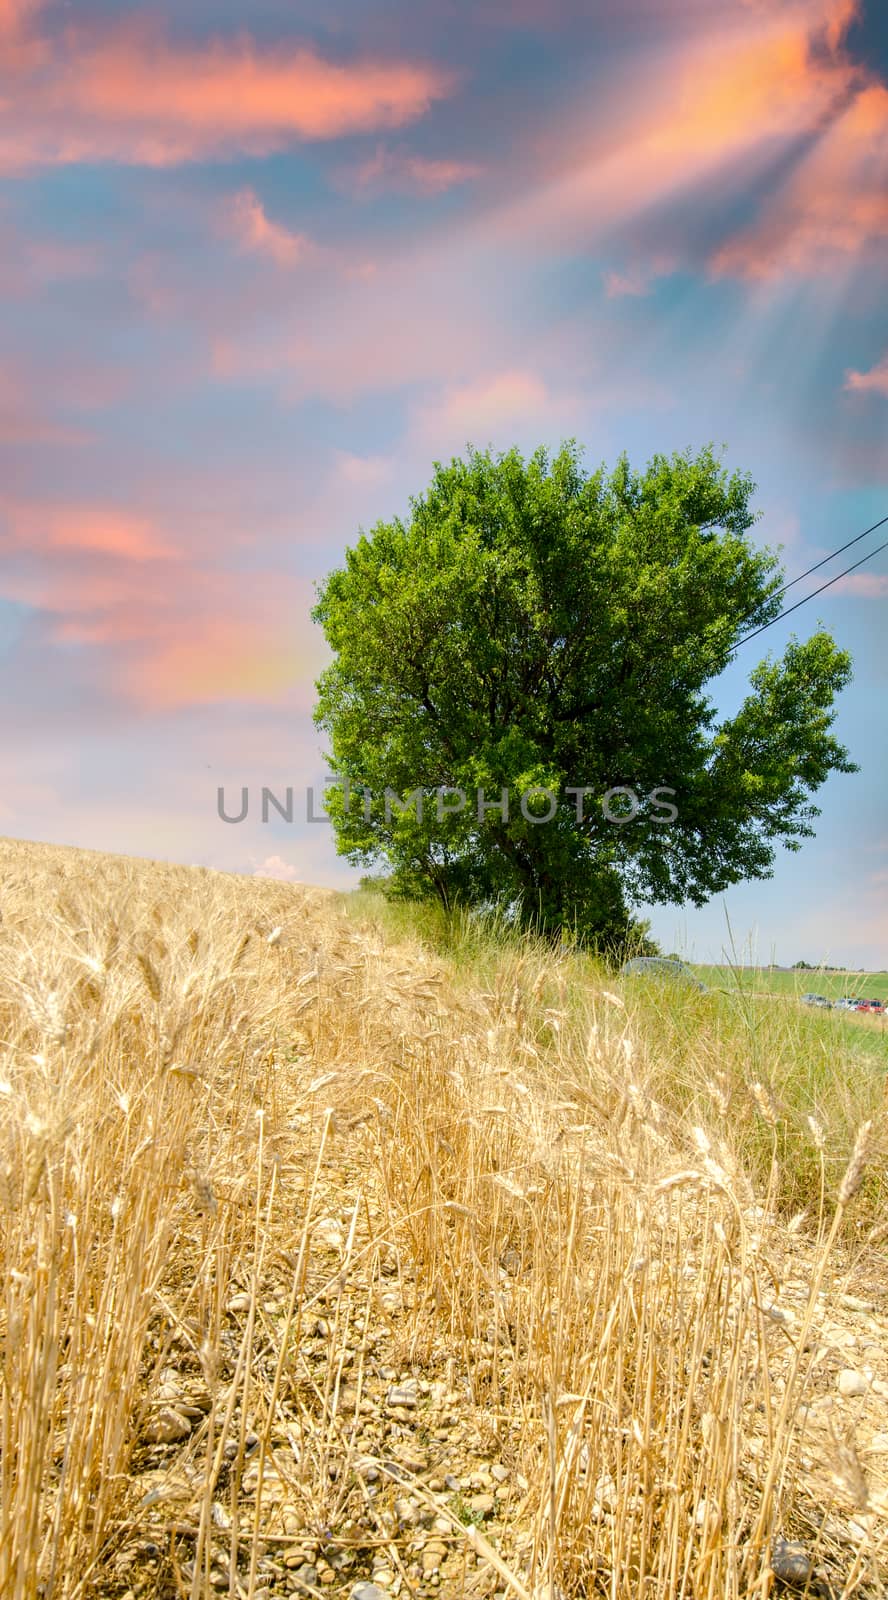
[[770, 980]]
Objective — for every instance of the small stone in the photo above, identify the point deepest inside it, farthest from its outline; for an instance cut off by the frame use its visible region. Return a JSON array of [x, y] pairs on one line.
[[239, 1302], [452, 1483], [168, 1426], [384, 1577], [859, 1529], [791, 1563], [328, 1231], [499, 1472], [606, 1494], [851, 1383], [367, 1591], [404, 1395], [707, 1515], [306, 1577], [482, 1503]]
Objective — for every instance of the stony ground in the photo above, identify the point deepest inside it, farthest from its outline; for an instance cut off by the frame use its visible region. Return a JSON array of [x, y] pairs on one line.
[[417, 1441]]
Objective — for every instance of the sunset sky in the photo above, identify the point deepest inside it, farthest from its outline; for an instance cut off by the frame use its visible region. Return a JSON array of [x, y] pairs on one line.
[[262, 264]]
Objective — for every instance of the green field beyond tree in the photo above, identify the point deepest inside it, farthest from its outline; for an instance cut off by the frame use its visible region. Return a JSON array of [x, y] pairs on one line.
[[806, 980]]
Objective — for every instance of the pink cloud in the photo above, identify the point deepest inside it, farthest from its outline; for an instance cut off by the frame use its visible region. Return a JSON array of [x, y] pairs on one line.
[[489, 402], [29, 263], [634, 282], [874, 381], [171, 629], [371, 334], [364, 471], [398, 169], [248, 223], [24, 418], [97, 529], [496, 407], [130, 95], [277, 868], [638, 279], [868, 585]]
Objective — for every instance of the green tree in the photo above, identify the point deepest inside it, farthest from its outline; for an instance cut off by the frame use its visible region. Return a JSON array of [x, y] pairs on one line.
[[532, 627]]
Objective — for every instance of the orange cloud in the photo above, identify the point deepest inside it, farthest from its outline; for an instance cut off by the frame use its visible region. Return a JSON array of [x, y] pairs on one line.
[[832, 208], [253, 230], [131, 96], [875, 380], [717, 110]]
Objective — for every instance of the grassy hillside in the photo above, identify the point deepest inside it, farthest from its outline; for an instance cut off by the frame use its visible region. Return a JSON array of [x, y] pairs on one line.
[[342, 1244]]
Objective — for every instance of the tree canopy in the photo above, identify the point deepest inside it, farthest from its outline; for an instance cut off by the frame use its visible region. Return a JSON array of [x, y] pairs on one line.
[[533, 630]]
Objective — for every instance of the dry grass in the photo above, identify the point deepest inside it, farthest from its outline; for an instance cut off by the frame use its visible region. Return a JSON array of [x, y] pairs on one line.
[[259, 1165]]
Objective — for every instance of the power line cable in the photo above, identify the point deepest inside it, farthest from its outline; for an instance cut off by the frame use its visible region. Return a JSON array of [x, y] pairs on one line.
[[833, 553], [813, 595]]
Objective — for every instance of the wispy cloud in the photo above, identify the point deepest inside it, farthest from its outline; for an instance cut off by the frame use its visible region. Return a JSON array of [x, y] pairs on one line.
[[245, 218], [410, 173], [638, 279], [874, 381]]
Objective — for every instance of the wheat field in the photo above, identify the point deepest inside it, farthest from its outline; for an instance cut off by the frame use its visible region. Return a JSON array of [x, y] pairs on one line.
[[329, 1261]]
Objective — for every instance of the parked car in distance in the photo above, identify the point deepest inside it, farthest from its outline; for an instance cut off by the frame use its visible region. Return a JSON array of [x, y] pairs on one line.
[[870, 1005], [815, 1000], [846, 1004]]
